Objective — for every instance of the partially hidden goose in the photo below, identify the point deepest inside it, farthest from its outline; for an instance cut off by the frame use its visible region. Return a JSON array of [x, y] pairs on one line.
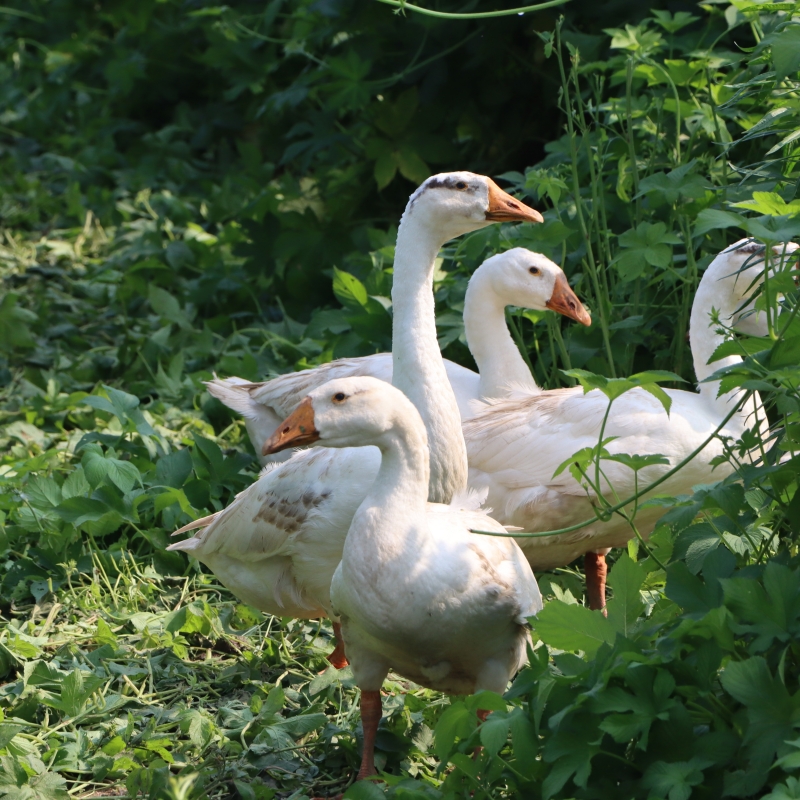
[[516, 443]]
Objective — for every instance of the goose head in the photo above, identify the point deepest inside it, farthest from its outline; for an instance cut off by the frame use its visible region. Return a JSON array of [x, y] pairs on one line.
[[525, 279], [455, 203], [741, 268], [345, 412]]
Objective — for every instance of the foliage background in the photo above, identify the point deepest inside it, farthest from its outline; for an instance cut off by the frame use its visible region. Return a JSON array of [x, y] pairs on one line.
[[185, 186]]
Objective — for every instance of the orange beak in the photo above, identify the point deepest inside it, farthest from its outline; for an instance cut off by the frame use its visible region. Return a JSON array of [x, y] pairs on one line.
[[296, 430], [566, 302], [504, 208]]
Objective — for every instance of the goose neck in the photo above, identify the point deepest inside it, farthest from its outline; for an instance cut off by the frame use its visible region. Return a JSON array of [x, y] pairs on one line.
[[399, 493], [418, 369], [715, 292], [496, 355]]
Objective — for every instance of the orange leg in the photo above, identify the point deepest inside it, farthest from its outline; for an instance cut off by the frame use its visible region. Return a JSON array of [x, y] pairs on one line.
[[337, 657], [370, 717], [482, 714], [596, 571]]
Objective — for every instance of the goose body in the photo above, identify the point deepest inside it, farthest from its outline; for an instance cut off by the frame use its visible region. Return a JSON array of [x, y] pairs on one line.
[[279, 542], [516, 443], [415, 591], [515, 277]]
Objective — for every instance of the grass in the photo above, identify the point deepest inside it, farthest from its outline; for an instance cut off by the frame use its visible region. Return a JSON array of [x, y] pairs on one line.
[[128, 671]]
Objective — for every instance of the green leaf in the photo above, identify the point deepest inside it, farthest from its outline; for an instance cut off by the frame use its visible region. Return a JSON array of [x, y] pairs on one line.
[[572, 627], [14, 321], [16, 784], [671, 187], [647, 244], [637, 462], [770, 203], [75, 485], [771, 710], [364, 790], [689, 592], [790, 790], [349, 290], [785, 353], [411, 166], [385, 169], [494, 733], [174, 468], [104, 634], [524, 740], [98, 466], [625, 579], [76, 689], [768, 614], [786, 52], [710, 219], [673, 780], [79, 510], [457, 722], [114, 746], [695, 543], [201, 729]]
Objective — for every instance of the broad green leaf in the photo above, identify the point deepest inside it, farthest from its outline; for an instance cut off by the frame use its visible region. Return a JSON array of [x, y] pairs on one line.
[[79, 510], [771, 710], [572, 627], [785, 353], [75, 485], [494, 733], [786, 51], [457, 722], [385, 169], [689, 592], [710, 219], [349, 290]]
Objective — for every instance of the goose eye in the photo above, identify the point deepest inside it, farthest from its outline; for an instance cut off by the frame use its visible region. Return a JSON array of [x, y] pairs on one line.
[[339, 397], [461, 185], [534, 270]]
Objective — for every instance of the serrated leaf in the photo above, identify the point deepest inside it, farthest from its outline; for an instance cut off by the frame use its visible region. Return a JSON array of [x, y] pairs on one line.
[[75, 485], [674, 780]]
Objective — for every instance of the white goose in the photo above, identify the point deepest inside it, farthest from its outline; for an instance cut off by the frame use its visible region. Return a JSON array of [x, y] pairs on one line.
[[277, 545], [516, 277], [515, 445], [415, 591]]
